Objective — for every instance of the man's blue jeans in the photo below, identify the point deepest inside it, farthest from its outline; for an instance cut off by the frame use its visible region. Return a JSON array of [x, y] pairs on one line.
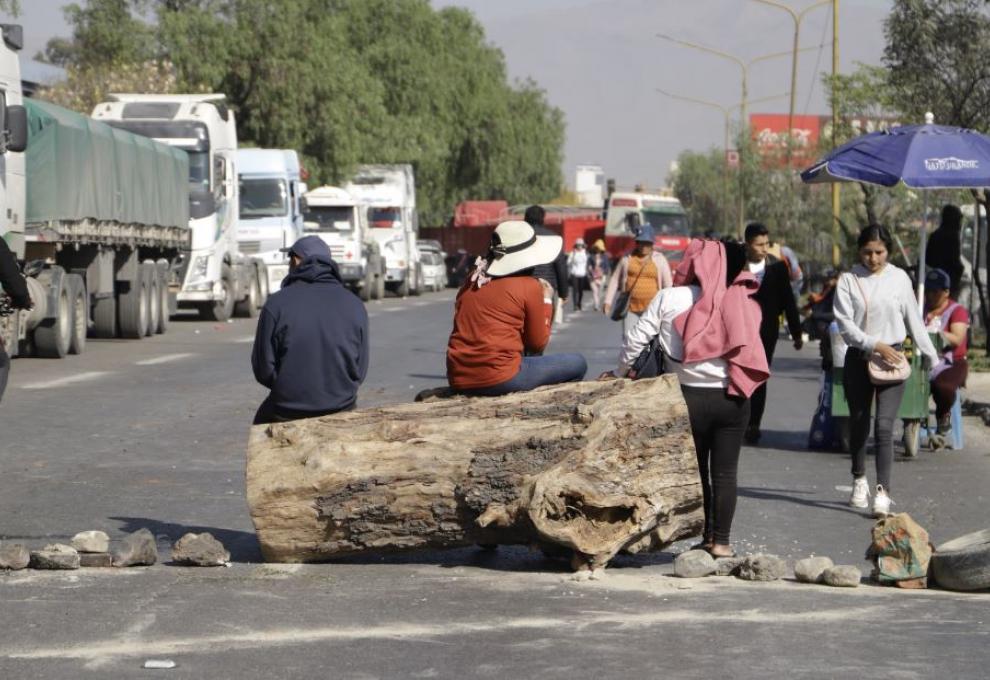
[[537, 371]]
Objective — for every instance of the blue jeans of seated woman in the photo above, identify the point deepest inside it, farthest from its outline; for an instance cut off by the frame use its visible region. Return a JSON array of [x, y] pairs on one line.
[[535, 372]]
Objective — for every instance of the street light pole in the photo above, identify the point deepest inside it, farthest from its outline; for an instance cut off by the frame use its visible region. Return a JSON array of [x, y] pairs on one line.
[[744, 72], [796, 17], [726, 113], [836, 203]]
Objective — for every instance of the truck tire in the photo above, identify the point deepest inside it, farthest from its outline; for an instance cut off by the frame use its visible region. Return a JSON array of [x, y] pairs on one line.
[[132, 309], [367, 288], [264, 288], [380, 286], [164, 305], [963, 563], [402, 288], [149, 272], [54, 336], [417, 285], [79, 301], [222, 309], [105, 318], [248, 307]]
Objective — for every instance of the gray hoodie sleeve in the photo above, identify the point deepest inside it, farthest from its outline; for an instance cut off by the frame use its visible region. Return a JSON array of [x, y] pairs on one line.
[[847, 299]]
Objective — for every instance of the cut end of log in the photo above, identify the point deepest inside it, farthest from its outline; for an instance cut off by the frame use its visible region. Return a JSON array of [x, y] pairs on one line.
[[593, 467]]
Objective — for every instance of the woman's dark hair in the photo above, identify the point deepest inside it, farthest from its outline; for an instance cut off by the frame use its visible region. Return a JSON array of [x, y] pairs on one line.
[[875, 232], [534, 216], [951, 217], [735, 260]]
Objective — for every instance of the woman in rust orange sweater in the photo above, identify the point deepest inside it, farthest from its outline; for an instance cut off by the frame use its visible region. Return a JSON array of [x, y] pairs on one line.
[[501, 313]]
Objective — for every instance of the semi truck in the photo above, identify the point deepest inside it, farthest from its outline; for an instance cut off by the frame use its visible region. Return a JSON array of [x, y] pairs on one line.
[[342, 223], [97, 218], [389, 192], [270, 187], [213, 277]]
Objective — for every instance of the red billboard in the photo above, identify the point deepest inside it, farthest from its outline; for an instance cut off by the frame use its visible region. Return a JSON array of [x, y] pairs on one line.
[[769, 132]]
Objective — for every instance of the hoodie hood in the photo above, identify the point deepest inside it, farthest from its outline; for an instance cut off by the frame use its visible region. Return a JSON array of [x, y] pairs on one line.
[[313, 270]]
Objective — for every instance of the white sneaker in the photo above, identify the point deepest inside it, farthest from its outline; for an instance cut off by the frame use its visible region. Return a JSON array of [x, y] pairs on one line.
[[860, 497], [881, 503]]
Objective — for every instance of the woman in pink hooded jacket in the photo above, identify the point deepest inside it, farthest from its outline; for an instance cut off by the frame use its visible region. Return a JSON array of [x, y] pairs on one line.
[[708, 327]]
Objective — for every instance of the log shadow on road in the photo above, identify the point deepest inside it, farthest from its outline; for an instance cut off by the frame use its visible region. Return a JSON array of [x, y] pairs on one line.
[[242, 545], [788, 496]]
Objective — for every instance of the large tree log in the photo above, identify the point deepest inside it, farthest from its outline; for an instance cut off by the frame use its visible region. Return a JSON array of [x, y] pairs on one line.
[[596, 467]]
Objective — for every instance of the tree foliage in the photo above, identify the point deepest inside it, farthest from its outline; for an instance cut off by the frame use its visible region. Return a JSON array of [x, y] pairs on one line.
[[344, 82]]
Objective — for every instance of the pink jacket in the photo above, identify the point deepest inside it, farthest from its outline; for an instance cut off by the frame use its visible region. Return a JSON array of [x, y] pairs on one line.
[[725, 321]]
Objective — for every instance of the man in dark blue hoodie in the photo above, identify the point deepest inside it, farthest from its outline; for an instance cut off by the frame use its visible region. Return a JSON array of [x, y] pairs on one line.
[[311, 346]]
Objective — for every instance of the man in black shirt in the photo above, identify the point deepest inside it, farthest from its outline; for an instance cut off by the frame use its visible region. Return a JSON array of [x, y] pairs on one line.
[[555, 273], [16, 287], [775, 297]]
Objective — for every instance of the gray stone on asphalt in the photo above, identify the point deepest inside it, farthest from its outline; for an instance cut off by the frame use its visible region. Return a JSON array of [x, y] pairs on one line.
[[200, 550], [14, 556], [842, 576], [762, 568], [810, 569], [136, 550], [694, 564], [95, 560], [727, 566], [91, 542], [55, 556]]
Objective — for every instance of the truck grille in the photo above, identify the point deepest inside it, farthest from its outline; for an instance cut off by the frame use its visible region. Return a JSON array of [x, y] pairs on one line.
[[249, 247]]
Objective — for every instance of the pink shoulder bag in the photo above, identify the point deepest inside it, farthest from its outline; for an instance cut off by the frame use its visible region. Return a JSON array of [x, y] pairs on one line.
[[880, 370]]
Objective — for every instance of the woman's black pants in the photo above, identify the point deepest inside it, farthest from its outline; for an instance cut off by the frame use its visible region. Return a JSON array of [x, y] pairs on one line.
[[718, 423], [859, 395]]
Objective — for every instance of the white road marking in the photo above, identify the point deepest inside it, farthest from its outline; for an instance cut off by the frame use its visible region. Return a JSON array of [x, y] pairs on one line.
[[68, 380], [163, 359], [244, 341]]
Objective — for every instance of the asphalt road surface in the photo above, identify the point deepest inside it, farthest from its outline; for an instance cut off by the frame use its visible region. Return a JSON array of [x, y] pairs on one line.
[[152, 434]]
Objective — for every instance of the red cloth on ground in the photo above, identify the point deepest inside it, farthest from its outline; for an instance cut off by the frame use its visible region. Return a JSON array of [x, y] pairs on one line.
[[725, 321]]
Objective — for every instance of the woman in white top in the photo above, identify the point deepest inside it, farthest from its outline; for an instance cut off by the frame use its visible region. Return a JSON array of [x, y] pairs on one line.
[[577, 269], [718, 420], [884, 291]]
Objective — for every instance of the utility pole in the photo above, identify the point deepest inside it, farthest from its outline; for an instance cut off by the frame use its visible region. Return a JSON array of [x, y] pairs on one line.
[[836, 204]]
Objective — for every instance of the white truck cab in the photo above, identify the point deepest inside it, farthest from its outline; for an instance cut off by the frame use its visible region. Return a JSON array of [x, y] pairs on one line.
[[213, 276], [389, 192], [270, 217], [342, 223]]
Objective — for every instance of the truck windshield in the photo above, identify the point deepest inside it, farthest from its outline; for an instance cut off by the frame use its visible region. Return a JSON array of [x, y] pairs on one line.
[[199, 172], [666, 222], [329, 218], [385, 218], [263, 198]]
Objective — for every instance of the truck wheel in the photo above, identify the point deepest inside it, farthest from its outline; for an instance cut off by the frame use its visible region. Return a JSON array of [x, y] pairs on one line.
[[248, 307], [402, 288], [54, 336], [380, 286], [222, 309], [164, 306], [417, 276], [80, 313], [263, 288], [963, 563], [150, 274], [132, 309], [367, 288], [105, 318]]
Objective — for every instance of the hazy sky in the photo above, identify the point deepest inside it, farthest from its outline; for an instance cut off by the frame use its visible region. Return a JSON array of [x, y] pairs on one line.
[[600, 62]]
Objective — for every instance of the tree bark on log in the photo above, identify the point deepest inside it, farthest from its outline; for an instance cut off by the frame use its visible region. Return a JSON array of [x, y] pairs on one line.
[[594, 467]]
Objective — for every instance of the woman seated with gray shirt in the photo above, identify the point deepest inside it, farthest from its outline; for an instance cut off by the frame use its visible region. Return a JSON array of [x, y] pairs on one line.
[[875, 309]]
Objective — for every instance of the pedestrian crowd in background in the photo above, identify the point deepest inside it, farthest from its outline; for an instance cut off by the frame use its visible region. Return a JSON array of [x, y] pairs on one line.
[[714, 322]]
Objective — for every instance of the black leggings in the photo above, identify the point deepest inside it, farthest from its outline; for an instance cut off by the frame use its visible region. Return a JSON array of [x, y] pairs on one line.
[[859, 395], [718, 423], [577, 290]]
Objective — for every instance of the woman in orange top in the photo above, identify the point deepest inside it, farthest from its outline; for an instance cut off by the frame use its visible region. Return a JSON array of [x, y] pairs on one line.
[[501, 312], [642, 274]]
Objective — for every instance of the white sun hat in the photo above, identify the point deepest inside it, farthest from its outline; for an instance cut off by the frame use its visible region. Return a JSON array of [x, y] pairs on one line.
[[516, 247]]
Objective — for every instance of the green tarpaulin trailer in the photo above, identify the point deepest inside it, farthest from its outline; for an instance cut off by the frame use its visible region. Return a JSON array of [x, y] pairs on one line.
[[81, 170]]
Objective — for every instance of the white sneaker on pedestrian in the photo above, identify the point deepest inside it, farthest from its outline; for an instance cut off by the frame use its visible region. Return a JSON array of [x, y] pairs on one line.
[[881, 503], [860, 497]]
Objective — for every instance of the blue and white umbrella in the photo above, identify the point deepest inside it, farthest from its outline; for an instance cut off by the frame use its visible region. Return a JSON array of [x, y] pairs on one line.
[[921, 156]]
